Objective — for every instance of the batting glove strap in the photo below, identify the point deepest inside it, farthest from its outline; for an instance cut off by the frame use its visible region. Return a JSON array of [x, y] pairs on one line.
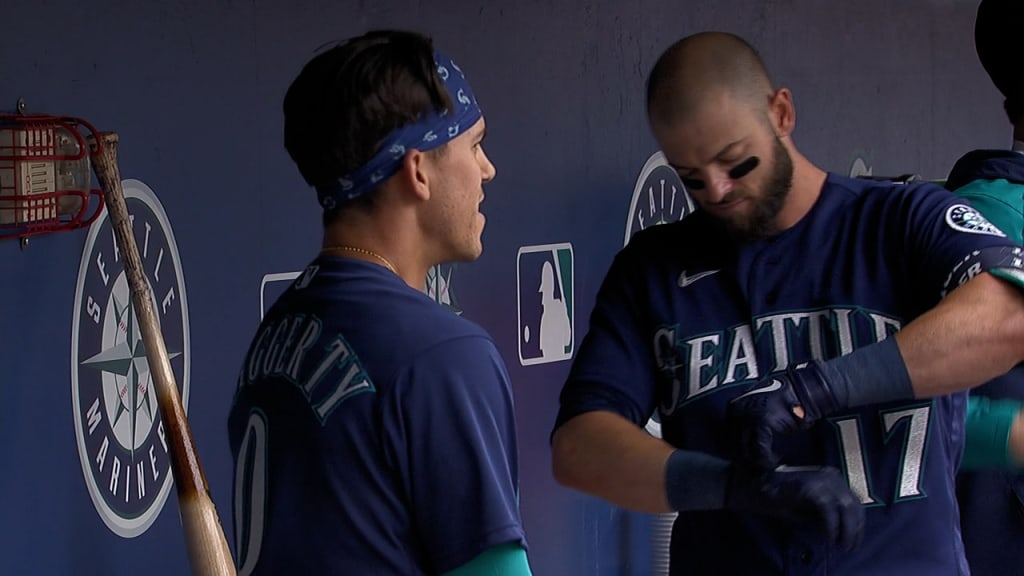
[[813, 393], [869, 375], [767, 410]]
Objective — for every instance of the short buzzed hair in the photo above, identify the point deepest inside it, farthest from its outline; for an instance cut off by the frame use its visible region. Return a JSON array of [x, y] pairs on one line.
[[705, 65]]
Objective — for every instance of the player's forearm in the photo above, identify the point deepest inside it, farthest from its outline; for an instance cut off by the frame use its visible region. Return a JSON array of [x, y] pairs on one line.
[[974, 335], [607, 456]]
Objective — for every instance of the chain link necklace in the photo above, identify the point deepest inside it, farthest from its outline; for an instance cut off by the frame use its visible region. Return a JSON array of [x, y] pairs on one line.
[[352, 249]]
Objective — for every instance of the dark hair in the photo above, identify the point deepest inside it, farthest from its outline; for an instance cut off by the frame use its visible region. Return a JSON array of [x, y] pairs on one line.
[[347, 99], [996, 39]]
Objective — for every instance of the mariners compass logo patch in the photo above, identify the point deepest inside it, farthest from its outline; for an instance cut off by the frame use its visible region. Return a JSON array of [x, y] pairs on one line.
[[121, 439], [966, 219]]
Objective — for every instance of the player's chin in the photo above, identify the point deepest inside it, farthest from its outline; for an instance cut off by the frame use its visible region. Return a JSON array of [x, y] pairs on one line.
[[477, 249], [738, 223], [470, 249], [469, 256]]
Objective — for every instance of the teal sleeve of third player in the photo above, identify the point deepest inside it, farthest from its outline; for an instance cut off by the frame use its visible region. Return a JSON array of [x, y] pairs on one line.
[[505, 560], [1001, 202], [989, 421], [987, 432]]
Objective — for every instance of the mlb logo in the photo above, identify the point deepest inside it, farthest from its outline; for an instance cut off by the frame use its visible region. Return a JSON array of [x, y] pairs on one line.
[[545, 303], [271, 288]]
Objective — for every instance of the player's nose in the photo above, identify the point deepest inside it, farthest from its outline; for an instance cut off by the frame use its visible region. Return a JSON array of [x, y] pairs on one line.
[[717, 186], [487, 169]]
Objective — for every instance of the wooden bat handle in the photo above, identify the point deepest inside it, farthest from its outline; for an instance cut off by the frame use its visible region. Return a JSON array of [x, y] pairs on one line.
[[204, 537]]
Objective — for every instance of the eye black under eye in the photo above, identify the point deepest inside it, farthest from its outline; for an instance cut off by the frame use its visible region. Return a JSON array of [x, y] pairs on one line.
[[692, 183], [743, 168]]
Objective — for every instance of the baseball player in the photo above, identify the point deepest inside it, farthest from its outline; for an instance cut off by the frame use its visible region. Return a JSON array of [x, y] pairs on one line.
[[828, 329], [992, 501], [372, 429]]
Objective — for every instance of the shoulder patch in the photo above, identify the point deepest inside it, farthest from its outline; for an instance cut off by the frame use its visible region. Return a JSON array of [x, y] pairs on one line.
[[966, 219]]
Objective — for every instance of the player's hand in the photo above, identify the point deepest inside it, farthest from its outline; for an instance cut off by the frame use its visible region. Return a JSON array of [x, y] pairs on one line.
[[811, 495], [780, 404]]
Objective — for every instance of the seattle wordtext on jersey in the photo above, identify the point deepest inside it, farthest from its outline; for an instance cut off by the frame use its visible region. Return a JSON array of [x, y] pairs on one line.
[[698, 364]]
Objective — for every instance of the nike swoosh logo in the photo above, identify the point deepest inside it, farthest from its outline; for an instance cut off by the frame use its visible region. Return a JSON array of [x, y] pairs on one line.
[[775, 385], [685, 280]]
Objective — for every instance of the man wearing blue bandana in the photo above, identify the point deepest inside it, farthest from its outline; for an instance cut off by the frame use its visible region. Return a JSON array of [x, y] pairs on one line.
[[373, 430]]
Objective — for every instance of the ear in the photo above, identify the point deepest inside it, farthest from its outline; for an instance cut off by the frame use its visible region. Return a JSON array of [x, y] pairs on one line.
[[415, 174], [782, 112]]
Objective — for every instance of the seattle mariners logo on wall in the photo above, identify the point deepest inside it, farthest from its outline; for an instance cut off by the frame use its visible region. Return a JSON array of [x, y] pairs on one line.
[[859, 167], [966, 219], [121, 440], [659, 197], [438, 286]]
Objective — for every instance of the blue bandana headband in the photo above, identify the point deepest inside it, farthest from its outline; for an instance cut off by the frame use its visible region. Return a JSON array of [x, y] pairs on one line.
[[430, 131]]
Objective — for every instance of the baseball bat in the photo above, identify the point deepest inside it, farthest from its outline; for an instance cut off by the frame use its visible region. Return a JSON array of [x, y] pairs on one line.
[[204, 537]]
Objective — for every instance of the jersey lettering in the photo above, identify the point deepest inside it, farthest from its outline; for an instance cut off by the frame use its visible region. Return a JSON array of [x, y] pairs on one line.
[[281, 351], [742, 354], [703, 363], [250, 502], [700, 364]]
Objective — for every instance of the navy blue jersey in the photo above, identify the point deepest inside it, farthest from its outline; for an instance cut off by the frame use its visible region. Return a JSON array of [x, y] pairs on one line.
[[686, 319], [373, 432]]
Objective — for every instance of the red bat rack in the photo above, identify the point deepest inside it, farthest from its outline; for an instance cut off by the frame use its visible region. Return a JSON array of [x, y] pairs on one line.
[[45, 175]]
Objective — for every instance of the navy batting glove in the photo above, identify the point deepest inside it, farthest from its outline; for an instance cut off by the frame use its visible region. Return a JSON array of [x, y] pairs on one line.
[[781, 404], [815, 496]]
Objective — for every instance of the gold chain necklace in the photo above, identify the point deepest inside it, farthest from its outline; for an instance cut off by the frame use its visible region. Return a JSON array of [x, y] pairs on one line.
[[387, 263]]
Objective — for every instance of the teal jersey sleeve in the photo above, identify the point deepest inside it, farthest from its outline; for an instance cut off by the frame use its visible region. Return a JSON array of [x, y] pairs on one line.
[[989, 421], [988, 433], [1001, 202], [505, 560]]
